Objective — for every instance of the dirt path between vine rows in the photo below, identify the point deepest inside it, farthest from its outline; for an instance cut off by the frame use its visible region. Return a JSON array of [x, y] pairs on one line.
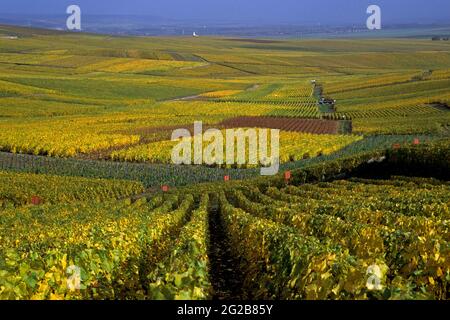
[[226, 277]]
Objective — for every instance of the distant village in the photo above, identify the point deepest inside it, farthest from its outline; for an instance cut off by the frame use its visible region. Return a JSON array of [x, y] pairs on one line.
[[439, 39]]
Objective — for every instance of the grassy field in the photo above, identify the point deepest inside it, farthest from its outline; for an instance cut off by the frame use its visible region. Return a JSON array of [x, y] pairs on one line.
[[87, 181]]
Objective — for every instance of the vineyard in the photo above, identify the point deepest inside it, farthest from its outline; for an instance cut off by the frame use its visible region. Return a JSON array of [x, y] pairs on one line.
[[20, 188], [314, 241], [350, 224], [293, 146], [93, 207]]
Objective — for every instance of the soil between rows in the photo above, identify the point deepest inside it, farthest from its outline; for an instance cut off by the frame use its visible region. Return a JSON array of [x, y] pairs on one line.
[[226, 277]]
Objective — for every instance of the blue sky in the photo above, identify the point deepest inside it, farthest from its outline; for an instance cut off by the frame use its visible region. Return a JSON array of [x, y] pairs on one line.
[[264, 11]]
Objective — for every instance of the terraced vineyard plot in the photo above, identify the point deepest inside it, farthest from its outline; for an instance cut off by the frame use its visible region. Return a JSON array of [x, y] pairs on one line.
[[292, 91], [402, 125], [358, 82], [299, 109], [441, 74], [411, 111], [398, 89], [289, 100], [408, 111], [307, 110]]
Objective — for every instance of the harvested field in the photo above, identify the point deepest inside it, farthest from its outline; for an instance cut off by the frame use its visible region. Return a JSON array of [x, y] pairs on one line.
[[316, 126]]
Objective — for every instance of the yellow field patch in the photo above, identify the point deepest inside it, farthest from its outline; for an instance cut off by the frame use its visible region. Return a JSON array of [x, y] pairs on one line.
[[139, 65], [220, 94]]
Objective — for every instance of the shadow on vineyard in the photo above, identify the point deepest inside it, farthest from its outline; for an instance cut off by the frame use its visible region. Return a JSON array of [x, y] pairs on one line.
[[410, 162], [226, 277]]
